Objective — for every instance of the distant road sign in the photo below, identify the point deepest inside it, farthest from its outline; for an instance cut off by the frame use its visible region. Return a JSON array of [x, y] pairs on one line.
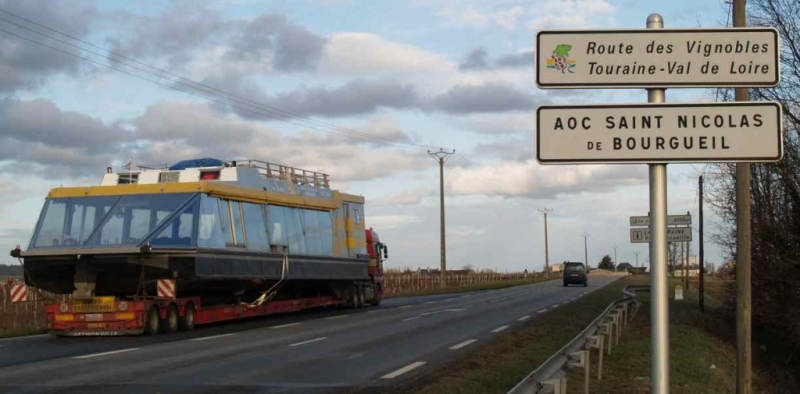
[[675, 234], [652, 58], [672, 220], [659, 133]]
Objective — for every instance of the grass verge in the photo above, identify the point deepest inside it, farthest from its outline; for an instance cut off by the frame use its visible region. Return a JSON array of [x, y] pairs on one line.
[[20, 333], [701, 361], [500, 364], [464, 289]]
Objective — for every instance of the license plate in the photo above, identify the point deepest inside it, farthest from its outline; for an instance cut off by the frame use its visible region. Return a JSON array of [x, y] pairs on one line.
[[97, 304], [94, 317], [97, 325], [574, 275]]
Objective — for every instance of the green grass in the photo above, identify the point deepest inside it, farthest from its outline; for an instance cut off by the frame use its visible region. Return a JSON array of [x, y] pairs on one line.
[[499, 365], [464, 289]]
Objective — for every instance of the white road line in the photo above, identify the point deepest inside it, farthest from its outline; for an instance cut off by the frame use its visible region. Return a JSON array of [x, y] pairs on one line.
[[468, 295], [492, 302], [462, 344], [501, 328], [211, 337], [336, 317], [431, 302], [376, 310], [286, 325], [403, 370], [523, 318], [107, 353], [24, 337], [412, 318], [309, 341], [450, 299], [542, 311], [554, 305], [405, 306]]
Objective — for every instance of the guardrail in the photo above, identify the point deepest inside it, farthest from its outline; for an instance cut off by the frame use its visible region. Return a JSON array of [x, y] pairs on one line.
[[550, 377]]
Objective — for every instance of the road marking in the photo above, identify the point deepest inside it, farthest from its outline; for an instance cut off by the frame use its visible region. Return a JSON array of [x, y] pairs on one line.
[[462, 344], [211, 337], [492, 302], [542, 311], [24, 337], [412, 318], [523, 318], [376, 310], [309, 341], [450, 299], [286, 325], [431, 302], [405, 306], [468, 295], [501, 328], [107, 353], [336, 317], [572, 299], [554, 305], [403, 370]]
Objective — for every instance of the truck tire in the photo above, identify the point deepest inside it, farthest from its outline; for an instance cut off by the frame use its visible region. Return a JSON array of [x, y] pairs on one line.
[[352, 297], [170, 324], [377, 300], [186, 322], [152, 322], [360, 290]]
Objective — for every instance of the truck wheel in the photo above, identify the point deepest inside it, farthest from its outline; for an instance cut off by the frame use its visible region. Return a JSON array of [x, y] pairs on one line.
[[170, 324], [352, 297], [377, 300], [153, 322], [186, 322], [359, 296]]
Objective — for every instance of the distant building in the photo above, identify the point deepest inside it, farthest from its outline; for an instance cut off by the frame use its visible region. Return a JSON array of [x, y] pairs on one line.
[[624, 267]]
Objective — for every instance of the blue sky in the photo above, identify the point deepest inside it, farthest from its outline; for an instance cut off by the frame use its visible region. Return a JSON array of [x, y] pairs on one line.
[[417, 73]]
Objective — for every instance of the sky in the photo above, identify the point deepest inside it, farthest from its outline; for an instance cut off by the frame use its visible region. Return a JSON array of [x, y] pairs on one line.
[[358, 89]]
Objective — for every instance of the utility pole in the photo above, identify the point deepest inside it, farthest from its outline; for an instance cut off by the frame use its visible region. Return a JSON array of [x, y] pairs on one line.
[[637, 259], [441, 157], [700, 249], [744, 377], [615, 258], [585, 249], [546, 251]]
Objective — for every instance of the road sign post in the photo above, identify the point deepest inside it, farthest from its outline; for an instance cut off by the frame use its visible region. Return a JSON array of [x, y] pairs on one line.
[[657, 133]]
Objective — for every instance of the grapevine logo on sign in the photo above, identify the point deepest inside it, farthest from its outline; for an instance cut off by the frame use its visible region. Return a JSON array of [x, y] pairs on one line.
[[560, 60]]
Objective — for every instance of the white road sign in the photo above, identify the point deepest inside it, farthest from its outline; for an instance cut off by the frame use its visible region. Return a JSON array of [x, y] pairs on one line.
[[672, 220], [675, 234], [659, 133], [652, 58]]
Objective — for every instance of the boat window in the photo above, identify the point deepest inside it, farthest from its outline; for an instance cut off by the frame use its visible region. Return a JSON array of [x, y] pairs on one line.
[[254, 227], [325, 232], [237, 225], [107, 220], [277, 225], [210, 233], [178, 232], [311, 231], [294, 230]]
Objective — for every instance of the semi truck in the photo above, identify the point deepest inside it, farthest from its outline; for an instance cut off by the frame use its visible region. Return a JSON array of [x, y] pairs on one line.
[[157, 250]]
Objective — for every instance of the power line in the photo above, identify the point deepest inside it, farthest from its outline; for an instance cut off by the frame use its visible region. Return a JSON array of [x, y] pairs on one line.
[[260, 108]]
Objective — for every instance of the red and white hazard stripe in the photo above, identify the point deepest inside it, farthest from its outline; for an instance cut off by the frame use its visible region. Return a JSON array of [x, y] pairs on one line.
[[166, 288], [19, 293]]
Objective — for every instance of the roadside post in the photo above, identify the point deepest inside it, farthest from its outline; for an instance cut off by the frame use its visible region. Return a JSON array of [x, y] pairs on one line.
[[656, 133]]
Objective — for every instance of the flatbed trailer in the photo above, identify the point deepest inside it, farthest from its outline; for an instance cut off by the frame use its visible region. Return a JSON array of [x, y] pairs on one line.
[[108, 316]]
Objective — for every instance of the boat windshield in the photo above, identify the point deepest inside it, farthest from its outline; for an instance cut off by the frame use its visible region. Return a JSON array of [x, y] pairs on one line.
[[163, 219]]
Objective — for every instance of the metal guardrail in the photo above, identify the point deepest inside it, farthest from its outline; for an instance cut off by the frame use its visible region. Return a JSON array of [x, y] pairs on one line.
[[550, 377]]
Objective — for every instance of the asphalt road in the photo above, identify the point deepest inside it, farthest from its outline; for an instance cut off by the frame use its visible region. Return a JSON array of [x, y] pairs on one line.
[[312, 351]]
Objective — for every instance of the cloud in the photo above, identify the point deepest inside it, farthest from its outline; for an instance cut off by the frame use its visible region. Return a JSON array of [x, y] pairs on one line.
[[490, 97], [521, 59], [390, 221], [531, 180], [473, 17], [409, 197], [570, 14], [499, 124], [475, 60], [298, 49], [26, 65]]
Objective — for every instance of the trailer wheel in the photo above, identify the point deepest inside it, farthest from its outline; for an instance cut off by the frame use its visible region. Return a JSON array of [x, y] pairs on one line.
[[360, 292], [186, 322], [170, 324], [377, 300], [153, 322]]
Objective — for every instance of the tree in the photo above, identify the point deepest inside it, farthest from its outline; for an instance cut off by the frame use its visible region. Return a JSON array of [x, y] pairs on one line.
[[606, 263], [775, 193]]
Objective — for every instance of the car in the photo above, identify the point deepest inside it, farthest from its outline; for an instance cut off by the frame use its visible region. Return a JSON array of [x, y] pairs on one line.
[[575, 273]]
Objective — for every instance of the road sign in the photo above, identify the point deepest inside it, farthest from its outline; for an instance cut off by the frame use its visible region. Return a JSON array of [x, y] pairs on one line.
[[19, 293], [652, 58], [674, 234], [659, 133], [672, 220]]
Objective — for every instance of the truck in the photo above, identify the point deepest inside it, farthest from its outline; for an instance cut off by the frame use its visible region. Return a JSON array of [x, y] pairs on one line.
[[157, 250]]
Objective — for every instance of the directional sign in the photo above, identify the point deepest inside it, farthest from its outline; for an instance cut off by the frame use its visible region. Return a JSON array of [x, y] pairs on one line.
[[672, 220], [675, 234], [659, 133], [652, 58]]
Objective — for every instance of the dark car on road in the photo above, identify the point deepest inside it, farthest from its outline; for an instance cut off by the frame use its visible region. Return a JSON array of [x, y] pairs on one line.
[[575, 274]]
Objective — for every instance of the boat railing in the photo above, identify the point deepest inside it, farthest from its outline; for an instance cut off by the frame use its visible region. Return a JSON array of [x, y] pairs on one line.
[[297, 176]]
